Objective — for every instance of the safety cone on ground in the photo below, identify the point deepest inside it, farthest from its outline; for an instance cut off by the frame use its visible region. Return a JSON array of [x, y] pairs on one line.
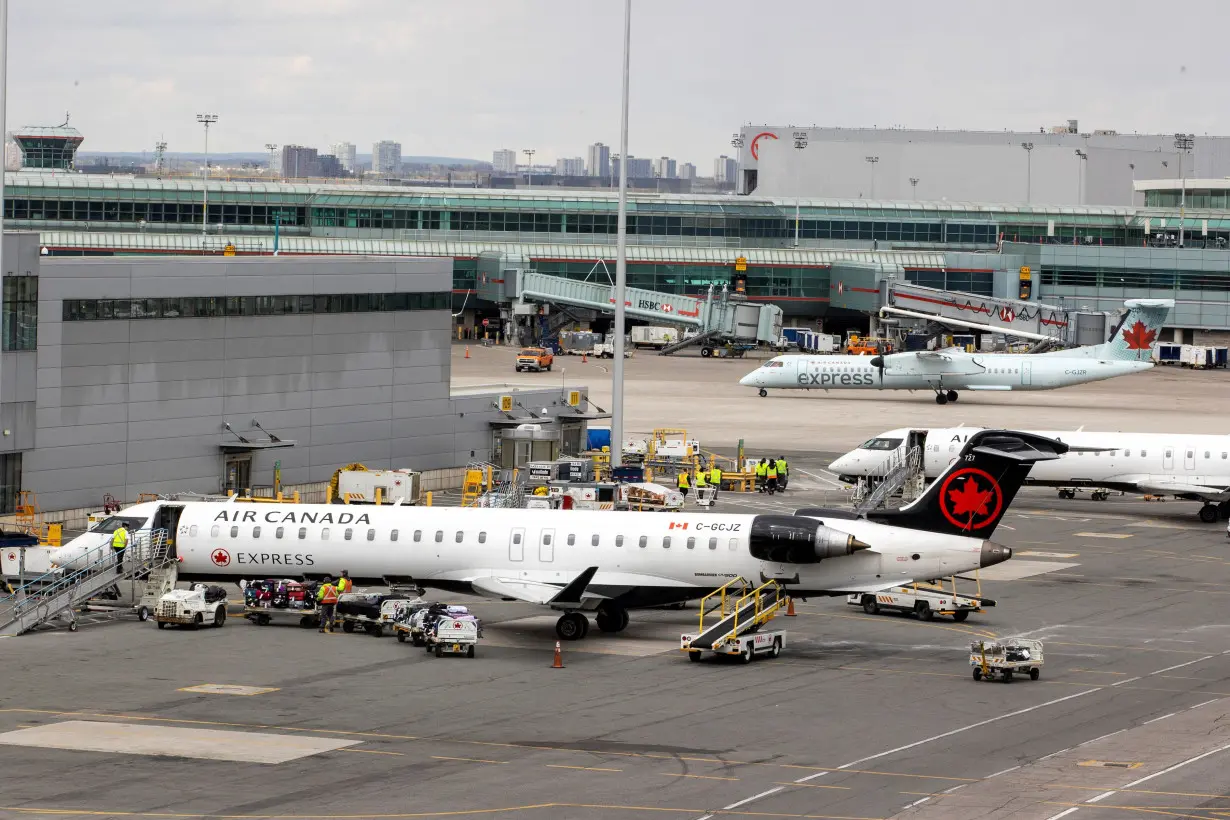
[[467, 351], [558, 663], [790, 613], [584, 357]]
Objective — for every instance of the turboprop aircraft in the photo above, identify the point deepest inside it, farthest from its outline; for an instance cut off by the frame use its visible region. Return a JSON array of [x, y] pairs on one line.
[[951, 370], [1187, 465], [604, 563]]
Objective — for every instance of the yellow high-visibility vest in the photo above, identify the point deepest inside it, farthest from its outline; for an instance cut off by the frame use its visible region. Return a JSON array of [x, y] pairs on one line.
[[119, 539]]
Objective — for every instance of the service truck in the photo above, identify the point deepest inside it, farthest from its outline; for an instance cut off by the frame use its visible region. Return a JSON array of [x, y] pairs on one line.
[[654, 337]]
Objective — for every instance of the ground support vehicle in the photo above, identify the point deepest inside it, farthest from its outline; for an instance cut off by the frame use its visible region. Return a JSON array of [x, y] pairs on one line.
[[454, 636], [192, 607], [736, 615], [534, 358], [728, 351], [371, 613], [1095, 493], [922, 600], [1005, 659]]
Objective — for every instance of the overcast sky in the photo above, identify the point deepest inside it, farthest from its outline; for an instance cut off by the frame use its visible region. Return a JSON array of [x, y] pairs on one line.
[[462, 77]]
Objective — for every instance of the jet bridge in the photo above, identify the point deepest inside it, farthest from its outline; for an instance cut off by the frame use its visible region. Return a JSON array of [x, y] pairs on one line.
[[508, 281], [1012, 317]]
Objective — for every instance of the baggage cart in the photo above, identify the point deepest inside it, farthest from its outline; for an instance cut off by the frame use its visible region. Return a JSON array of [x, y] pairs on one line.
[[705, 496], [1006, 658], [371, 613], [454, 636]]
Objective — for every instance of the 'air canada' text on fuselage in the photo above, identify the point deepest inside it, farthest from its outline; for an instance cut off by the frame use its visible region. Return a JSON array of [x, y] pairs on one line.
[[278, 517]]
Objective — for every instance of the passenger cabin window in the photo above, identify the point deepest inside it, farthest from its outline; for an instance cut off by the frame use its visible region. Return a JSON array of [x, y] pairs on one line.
[[256, 532], [516, 538], [482, 538], [691, 543], [458, 537], [712, 543], [1127, 453], [1169, 453], [1143, 453], [734, 544], [594, 539], [324, 534], [279, 532], [1206, 453], [348, 534], [371, 535], [619, 540], [214, 530], [666, 542], [644, 541], [393, 535], [572, 539], [418, 535], [193, 529], [546, 539], [439, 536], [302, 533], [234, 532]]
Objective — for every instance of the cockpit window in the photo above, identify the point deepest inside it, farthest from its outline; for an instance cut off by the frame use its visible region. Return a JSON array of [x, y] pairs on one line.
[[774, 363], [882, 444], [113, 523]]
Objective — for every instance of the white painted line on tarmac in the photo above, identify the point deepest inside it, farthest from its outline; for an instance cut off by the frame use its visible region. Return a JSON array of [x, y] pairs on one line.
[[1054, 754], [954, 788], [1063, 813], [811, 777], [1005, 771], [1181, 665], [977, 725], [1101, 737], [1156, 719], [917, 803], [1129, 680], [745, 801], [1206, 703]]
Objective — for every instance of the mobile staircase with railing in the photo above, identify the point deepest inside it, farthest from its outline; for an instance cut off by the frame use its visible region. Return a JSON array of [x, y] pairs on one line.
[[904, 477], [736, 614], [148, 567]]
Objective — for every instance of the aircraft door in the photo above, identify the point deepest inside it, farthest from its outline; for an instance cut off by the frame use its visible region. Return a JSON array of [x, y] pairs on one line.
[[167, 518], [546, 547], [516, 544], [1189, 459], [1168, 458], [1025, 374]]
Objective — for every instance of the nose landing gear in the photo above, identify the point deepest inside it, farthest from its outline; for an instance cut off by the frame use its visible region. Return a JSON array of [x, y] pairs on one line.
[[763, 392]]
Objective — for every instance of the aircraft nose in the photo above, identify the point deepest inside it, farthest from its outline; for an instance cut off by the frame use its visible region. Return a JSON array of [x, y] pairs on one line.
[[841, 463], [993, 554], [749, 380]]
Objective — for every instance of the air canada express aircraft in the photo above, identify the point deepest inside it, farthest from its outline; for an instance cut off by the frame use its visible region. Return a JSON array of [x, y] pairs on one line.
[[948, 371], [603, 563], [1188, 465]]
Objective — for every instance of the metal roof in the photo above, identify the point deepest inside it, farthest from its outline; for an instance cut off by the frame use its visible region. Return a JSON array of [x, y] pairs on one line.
[[65, 131], [247, 244]]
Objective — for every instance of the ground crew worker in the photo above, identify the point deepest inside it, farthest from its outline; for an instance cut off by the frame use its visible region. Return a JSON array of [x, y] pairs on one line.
[[119, 543], [683, 483], [326, 600], [771, 477], [701, 480], [344, 584], [715, 478], [762, 475], [782, 472]]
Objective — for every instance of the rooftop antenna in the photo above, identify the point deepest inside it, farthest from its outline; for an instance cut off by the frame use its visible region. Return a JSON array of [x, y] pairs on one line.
[[160, 156], [66, 119]]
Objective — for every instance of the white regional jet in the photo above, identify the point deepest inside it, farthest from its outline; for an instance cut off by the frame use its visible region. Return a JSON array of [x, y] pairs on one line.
[[1186, 465], [603, 562], [948, 371]]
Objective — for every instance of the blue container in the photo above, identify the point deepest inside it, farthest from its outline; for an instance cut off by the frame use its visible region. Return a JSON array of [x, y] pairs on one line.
[[598, 438]]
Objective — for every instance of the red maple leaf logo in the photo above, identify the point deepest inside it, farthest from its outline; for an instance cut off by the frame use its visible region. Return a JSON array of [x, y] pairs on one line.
[[1139, 337], [969, 500], [221, 557]]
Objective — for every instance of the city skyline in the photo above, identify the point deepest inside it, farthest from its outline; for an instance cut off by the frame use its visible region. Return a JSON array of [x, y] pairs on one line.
[[307, 73]]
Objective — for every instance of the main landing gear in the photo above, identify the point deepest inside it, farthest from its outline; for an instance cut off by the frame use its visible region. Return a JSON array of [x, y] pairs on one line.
[[1208, 513], [943, 397], [612, 618], [572, 626], [763, 392]]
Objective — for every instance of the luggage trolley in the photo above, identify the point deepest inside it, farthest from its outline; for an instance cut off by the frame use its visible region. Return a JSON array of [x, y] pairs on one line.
[[1005, 658]]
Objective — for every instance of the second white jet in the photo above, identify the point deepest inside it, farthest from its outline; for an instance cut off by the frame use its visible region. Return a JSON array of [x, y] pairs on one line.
[[946, 372]]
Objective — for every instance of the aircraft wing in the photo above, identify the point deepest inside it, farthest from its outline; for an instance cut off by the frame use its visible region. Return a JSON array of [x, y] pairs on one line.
[[1165, 486], [536, 592], [876, 587]]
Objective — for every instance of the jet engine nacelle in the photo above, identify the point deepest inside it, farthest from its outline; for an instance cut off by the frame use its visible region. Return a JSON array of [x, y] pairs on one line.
[[789, 540]]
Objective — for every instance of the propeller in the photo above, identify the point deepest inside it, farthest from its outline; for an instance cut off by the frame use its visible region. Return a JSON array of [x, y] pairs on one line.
[[877, 362]]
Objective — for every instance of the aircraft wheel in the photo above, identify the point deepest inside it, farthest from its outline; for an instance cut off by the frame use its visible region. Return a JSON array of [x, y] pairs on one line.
[[572, 626], [612, 618], [951, 395], [941, 398], [763, 392], [1208, 513]]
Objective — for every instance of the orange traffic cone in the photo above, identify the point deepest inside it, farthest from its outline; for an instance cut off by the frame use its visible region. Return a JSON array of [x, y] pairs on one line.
[[558, 663], [584, 357], [467, 351], [790, 613]]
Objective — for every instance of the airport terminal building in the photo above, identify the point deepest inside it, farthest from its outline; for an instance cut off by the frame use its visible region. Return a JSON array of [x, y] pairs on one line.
[[169, 374]]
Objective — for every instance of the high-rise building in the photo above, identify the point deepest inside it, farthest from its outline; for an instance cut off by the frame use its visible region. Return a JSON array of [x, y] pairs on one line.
[[638, 167], [504, 161], [687, 171], [726, 169], [598, 163], [345, 153], [299, 162], [386, 157], [570, 166], [664, 168], [330, 166]]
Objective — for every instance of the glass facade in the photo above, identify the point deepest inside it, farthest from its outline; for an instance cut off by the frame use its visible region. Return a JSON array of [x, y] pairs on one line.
[[981, 282], [91, 210], [10, 482], [1197, 199], [48, 152], [763, 281], [20, 312], [188, 307], [1134, 280]]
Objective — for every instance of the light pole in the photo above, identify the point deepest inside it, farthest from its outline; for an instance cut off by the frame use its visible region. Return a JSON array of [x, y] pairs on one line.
[[1132, 192], [1081, 156], [1184, 143], [206, 120], [271, 147], [529, 165], [872, 161], [4, 62], [800, 142], [1029, 171], [736, 142], [621, 260], [913, 187]]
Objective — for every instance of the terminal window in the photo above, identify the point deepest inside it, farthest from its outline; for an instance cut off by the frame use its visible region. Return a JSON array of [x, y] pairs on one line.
[[20, 312], [208, 307]]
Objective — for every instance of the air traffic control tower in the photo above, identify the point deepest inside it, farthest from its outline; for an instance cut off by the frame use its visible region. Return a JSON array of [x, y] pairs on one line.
[[48, 147]]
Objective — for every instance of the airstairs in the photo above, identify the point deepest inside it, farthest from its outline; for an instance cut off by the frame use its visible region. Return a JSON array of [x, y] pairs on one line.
[[687, 342], [738, 610], [59, 593], [905, 476]]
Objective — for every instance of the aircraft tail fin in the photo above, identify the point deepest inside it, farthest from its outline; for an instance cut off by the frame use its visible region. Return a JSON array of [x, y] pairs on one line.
[[1136, 333], [972, 495]]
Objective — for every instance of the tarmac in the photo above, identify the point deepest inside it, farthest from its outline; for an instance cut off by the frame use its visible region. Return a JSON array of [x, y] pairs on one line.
[[862, 716]]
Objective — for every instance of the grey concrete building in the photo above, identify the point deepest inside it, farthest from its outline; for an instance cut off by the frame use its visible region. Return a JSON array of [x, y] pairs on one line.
[[161, 374]]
